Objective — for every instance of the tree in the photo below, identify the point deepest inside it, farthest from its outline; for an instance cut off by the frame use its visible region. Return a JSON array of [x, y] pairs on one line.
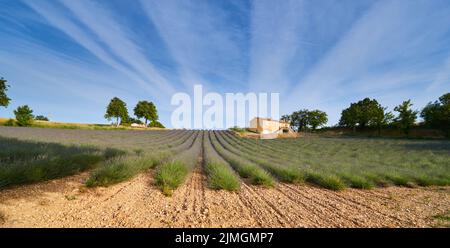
[[4, 100], [367, 112], [303, 119], [382, 118], [117, 109], [286, 118], [41, 118], [437, 114], [349, 118], [316, 118], [24, 115], [146, 110], [156, 124], [406, 117], [131, 120], [299, 119]]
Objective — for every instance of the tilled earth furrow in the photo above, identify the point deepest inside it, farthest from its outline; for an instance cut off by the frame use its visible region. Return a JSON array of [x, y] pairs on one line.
[[139, 203], [328, 213]]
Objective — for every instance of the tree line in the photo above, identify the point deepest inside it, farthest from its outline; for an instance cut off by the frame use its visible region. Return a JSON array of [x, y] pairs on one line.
[[305, 119], [369, 113], [116, 109]]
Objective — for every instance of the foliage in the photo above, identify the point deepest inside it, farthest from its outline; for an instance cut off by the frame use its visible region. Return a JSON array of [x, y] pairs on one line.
[[243, 167], [10, 123], [4, 100], [286, 118], [146, 110], [131, 120], [317, 118], [156, 124], [41, 118], [119, 169], [302, 119], [285, 174], [437, 114], [357, 162], [171, 176], [332, 163], [117, 109], [406, 116], [220, 175], [367, 112], [238, 129], [24, 115], [28, 162], [299, 119]]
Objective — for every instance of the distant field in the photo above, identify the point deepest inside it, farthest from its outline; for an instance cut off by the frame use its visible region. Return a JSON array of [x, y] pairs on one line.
[[68, 125], [34, 154], [355, 162]]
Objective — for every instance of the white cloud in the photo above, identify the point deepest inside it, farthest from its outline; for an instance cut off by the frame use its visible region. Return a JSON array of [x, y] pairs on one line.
[[63, 22], [275, 39], [391, 47], [200, 39]]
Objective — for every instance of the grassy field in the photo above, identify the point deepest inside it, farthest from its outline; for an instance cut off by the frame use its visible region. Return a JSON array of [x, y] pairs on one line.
[[29, 155], [68, 125]]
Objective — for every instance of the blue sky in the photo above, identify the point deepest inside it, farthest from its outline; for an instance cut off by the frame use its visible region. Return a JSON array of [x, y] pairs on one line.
[[67, 58]]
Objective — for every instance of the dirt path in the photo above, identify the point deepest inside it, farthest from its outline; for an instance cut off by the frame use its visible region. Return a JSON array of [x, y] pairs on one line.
[[138, 203]]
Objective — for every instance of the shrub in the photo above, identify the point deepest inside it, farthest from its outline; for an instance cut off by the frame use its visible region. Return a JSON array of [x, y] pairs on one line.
[[156, 124], [41, 118], [327, 181], [24, 115], [122, 168], [28, 162], [170, 176], [238, 129], [9, 123], [358, 182], [221, 177]]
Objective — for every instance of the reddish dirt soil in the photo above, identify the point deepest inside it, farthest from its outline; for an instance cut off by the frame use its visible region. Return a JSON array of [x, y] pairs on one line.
[[139, 203]]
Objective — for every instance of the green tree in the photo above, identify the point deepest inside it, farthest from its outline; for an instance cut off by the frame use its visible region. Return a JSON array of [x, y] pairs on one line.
[[367, 112], [24, 115], [146, 110], [406, 116], [299, 119], [303, 119], [437, 114], [116, 109], [382, 118], [286, 118], [316, 118], [41, 118], [156, 124], [4, 100], [349, 118], [131, 120]]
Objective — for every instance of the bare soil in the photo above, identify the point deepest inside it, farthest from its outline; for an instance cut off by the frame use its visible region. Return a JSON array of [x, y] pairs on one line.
[[139, 203]]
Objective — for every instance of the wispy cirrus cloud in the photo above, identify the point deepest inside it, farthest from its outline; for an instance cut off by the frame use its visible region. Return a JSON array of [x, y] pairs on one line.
[[122, 54], [204, 39], [51, 82], [288, 39], [318, 54], [274, 42], [395, 45]]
